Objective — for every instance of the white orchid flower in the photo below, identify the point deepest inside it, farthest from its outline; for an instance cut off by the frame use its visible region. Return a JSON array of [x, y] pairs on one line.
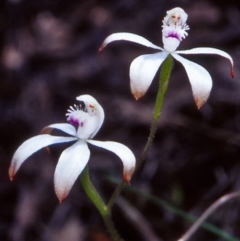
[[88, 116], [144, 68]]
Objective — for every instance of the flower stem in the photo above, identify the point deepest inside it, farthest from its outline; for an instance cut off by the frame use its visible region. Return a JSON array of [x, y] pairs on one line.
[[99, 203], [164, 77], [92, 192], [116, 193], [111, 229]]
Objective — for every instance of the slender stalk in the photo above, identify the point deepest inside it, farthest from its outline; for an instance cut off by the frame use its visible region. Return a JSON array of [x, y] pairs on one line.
[[111, 229], [92, 192], [99, 203], [116, 193], [165, 74], [208, 212]]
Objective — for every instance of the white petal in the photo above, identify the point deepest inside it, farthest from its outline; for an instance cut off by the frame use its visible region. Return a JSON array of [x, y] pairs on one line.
[[208, 51], [88, 128], [170, 44], [65, 127], [142, 71], [199, 78], [128, 37], [123, 152], [32, 145], [71, 163], [96, 118]]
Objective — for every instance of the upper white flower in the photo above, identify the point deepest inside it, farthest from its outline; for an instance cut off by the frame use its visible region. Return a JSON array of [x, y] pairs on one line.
[[88, 117], [144, 67]]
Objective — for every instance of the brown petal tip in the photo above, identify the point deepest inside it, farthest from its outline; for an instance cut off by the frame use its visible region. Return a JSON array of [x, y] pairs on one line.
[[232, 72], [199, 106], [46, 130], [200, 102], [61, 195], [127, 175], [137, 95], [11, 172], [47, 150], [101, 48], [61, 199], [127, 179]]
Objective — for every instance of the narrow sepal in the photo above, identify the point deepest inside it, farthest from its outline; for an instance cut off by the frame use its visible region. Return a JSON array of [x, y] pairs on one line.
[[128, 37], [207, 50], [123, 152], [32, 145], [200, 79]]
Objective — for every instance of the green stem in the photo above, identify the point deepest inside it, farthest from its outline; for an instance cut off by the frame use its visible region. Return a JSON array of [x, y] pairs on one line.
[[111, 229], [92, 193], [165, 74], [99, 203], [105, 210]]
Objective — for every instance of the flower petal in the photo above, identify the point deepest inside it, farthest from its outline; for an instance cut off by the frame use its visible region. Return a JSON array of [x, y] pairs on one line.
[[32, 145], [209, 51], [199, 78], [71, 163], [128, 37], [65, 127], [96, 114], [123, 152], [170, 43], [143, 70]]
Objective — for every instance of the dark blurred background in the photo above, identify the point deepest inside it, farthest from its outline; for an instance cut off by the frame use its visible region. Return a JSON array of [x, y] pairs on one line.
[[49, 55]]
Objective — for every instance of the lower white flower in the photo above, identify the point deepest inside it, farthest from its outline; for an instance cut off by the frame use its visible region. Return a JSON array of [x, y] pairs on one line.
[[144, 68], [88, 116]]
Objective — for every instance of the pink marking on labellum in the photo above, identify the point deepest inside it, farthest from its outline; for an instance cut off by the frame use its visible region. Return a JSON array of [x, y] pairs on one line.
[[173, 35]]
